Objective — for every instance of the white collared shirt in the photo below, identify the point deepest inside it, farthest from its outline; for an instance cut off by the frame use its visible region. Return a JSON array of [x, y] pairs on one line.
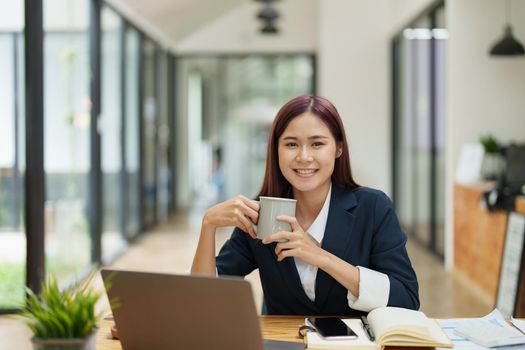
[[374, 286]]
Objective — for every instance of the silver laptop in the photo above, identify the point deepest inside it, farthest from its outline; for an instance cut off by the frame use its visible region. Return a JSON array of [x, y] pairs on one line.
[[162, 311]]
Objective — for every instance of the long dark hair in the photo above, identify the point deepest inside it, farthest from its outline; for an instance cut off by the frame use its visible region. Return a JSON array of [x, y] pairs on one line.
[[275, 184]]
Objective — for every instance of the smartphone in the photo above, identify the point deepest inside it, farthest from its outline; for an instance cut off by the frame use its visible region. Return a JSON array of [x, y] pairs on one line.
[[332, 328]]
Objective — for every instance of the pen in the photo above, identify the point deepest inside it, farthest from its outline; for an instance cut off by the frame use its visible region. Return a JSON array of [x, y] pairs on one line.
[[367, 328]]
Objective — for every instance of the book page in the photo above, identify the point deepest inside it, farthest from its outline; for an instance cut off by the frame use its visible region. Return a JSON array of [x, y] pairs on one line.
[[398, 325]]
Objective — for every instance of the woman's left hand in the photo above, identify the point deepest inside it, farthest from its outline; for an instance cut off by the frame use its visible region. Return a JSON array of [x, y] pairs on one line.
[[299, 243]]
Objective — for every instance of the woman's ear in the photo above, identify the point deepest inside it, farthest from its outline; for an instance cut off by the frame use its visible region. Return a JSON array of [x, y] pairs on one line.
[[339, 150]]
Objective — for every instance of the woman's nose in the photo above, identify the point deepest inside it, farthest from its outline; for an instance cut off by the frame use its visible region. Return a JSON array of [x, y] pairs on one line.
[[304, 155]]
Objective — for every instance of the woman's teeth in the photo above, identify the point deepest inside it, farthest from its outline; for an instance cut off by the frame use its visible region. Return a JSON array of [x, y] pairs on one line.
[[305, 171]]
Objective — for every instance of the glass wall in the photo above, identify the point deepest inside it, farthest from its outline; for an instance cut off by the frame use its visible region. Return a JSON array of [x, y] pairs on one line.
[[134, 154], [12, 160], [132, 146], [256, 88], [227, 102], [66, 138], [149, 130], [112, 236], [440, 105], [419, 140], [163, 144]]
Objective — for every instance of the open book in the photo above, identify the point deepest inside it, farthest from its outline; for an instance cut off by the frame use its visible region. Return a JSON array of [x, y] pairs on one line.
[[392, 326]]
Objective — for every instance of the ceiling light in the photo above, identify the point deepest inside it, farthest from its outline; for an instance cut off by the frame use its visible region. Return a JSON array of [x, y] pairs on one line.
[[268, 13], [269, 28], [508, 45]]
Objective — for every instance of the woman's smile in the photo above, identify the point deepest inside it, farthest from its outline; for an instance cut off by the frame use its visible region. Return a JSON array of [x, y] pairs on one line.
[[305, 173]]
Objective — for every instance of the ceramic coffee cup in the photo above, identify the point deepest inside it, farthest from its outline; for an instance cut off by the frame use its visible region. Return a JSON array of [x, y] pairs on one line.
[[270, 208]]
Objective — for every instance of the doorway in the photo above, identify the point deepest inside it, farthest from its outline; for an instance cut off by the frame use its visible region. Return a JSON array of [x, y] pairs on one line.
[[419, 107]]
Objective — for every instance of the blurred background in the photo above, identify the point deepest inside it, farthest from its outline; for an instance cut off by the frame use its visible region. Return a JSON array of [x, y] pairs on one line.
[[155, 110]]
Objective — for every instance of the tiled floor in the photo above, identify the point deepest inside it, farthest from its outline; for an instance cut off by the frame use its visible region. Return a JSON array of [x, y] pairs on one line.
[[170, 249]]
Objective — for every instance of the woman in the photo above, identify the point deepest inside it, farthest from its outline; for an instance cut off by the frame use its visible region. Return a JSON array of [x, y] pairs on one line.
[[346, 252]]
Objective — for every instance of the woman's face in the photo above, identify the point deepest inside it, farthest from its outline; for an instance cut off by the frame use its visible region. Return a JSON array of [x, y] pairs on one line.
[[307, 152]]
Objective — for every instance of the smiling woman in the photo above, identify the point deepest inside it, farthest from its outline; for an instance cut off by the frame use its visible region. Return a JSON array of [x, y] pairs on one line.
[[307, 154], [345, 253]]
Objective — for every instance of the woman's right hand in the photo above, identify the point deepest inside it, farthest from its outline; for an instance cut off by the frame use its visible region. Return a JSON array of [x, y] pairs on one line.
[[233, 212]]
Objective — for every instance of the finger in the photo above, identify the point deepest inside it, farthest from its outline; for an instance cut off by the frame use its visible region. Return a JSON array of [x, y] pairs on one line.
[[248, 202], [248, 225], [252, 204], [242, 227], [291, 220], [247, 210], [236, 221], [285, 253], [281, 235], [281, 246], [247, 231], [252, 214]]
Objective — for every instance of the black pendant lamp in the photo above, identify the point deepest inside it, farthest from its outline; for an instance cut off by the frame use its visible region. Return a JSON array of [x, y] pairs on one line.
[[508, 45], [269, 28], [268, 15]]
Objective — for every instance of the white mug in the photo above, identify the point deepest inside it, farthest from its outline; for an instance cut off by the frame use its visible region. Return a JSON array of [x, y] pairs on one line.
[[270, 208]]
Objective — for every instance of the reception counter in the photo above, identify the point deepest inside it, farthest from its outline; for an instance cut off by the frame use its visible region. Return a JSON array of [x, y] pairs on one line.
[[479, 237]]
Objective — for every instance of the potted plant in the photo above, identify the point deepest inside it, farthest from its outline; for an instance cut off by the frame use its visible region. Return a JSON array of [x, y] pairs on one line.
[[492, 162], [63, 319]]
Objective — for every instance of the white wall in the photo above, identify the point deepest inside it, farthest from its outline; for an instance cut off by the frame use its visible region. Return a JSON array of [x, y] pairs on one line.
[[238, 30], [401, 12], [485, 94], [354, 73]]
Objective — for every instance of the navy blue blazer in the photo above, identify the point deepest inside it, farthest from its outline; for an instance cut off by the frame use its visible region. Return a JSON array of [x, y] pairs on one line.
[[362, 228]]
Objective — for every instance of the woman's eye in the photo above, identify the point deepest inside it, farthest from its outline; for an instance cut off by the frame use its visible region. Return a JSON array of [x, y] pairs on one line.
[[317, 144], [291, 144]]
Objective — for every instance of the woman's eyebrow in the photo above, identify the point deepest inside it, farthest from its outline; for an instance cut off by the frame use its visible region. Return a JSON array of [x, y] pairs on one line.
[[314, 137]]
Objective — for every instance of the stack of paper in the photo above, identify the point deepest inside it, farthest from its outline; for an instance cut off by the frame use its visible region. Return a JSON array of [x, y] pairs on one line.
[[489, 331], [520, 324]]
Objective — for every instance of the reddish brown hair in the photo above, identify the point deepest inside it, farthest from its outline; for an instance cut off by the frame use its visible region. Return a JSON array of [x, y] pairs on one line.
[[275, 184]]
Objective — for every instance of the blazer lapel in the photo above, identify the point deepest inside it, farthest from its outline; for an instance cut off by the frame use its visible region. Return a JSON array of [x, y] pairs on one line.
[[337, 237], [289, 273]]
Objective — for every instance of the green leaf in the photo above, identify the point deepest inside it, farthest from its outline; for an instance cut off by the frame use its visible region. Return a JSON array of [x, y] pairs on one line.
[[66, 313]]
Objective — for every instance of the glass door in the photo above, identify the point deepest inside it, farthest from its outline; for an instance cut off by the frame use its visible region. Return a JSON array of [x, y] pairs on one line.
[[12, 168], [67, 106], [131, 145], [113, 239], [418, 137], [149, 132]]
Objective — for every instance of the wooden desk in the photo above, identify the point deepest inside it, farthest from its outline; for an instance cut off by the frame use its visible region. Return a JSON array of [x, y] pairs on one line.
[[273, 327]]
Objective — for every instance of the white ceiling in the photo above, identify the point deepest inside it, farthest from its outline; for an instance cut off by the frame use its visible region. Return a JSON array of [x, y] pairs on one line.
[[169, 21]]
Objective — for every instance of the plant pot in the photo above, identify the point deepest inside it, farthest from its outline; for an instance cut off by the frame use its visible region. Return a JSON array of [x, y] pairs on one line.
[[87, 343], [492, 166]]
